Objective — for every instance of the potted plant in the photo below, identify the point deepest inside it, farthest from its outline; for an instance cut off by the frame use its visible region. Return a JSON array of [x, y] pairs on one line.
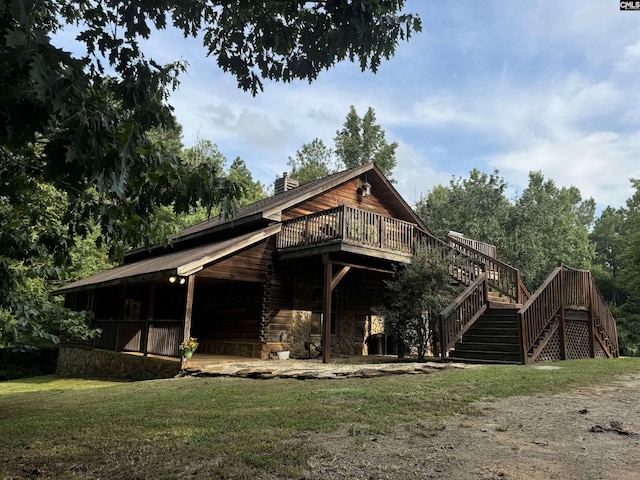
[[188, 347]]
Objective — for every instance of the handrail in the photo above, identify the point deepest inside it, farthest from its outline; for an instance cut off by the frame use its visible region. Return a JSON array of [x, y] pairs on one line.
[[601, 311], [460, 314], [462, 268], [477, 245], [538, 311], [502, 277]]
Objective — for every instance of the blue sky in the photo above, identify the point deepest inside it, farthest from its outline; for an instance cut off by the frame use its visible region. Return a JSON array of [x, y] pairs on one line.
[[508, 85]]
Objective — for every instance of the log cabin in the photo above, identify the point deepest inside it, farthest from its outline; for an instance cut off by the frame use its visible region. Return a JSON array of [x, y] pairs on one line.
[[267, 279]]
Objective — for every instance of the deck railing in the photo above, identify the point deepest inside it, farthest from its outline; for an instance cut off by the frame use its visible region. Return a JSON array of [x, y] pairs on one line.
[[349, 225], [486, 248], [501, 276], [159, 337]]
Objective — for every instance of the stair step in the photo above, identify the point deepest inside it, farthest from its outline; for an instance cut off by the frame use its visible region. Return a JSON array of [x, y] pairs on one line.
[[493, 330], [496, 321], [477, 337], [480, 355], [487, 347]]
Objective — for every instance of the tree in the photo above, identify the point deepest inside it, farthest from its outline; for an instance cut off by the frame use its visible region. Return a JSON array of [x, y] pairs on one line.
[[313, 161], [252, 190], [549, 226], [474, 206], [362, 141], [413, 300], [67, 124], [609, 240]]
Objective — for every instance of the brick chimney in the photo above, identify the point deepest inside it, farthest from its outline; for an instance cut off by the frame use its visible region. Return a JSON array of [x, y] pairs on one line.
[[284, 183]]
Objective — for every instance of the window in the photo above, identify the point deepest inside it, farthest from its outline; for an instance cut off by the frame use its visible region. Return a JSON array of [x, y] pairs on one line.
[[316, 312]]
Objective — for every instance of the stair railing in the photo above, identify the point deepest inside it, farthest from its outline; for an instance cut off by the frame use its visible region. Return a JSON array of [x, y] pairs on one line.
[[602, 314], [539, 310], [458, 316], [501, 277], [565, 288], [463, 268]]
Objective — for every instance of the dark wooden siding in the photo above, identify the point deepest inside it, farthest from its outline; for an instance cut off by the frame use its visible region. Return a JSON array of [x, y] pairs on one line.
[[249, 265], [345, 194]]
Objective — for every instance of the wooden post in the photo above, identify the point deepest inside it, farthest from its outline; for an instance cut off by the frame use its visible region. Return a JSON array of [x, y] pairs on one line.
[[150, 312], [563, 331], [326, 310], [191, 283], [592, 326]]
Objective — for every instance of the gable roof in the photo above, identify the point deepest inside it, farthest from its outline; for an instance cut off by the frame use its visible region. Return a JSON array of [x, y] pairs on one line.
[[271, 208]]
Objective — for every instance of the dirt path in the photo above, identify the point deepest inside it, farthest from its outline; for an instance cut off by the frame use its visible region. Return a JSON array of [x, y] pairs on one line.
[[590, 433]]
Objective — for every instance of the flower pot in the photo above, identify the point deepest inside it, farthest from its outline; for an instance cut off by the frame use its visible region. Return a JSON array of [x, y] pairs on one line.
[[187, 353], [283, 355]]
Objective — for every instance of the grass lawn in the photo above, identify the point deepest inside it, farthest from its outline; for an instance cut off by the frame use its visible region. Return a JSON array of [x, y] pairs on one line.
[[239, 428]]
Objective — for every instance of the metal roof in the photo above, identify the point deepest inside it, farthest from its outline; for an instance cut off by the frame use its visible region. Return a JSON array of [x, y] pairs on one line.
[[180, 263]]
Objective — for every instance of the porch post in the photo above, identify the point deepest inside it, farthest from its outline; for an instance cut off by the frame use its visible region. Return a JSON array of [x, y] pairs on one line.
[[150, 312], [326, 309], [191, 283]]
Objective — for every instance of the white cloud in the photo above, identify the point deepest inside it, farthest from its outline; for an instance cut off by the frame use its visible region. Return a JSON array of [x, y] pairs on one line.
[[630, 61]]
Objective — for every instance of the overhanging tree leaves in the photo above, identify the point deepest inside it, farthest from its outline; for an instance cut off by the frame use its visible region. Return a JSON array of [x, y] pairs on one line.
[[79, 124]]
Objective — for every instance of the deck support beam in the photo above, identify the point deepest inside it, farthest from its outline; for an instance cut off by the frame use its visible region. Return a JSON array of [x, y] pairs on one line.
[[326, 308], [331, 281]]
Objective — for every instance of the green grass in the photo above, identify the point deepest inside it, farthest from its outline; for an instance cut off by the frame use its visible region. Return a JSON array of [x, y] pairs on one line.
[[237, 428]]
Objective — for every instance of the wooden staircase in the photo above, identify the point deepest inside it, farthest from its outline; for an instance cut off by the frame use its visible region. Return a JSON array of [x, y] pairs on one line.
[[493, 338], [496, 320]]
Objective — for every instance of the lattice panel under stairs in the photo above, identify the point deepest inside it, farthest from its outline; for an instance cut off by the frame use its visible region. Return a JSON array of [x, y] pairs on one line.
[[599, 351], [577, 339], [551, 351]]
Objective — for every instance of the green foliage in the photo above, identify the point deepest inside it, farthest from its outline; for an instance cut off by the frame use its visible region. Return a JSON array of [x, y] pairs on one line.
[[414, 298], [362, 141], [252, 190], [549, 226], [313, 161], [616, 236], [474, 206], [545, 226], [81, 126]]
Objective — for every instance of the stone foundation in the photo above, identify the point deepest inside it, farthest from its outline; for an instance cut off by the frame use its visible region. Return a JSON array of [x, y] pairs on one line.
[[78, 362]]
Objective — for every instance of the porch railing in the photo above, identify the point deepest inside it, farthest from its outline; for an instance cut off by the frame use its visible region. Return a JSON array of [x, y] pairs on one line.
[[158, 337], [349, 225]]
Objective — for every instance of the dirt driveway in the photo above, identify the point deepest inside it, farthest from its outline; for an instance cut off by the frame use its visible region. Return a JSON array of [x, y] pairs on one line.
[[590, 433]]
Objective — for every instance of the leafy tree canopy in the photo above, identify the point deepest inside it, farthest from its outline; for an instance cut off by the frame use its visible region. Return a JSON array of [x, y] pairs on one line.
[[313, 161], [362, 141], [359, 142], [77, 127]]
